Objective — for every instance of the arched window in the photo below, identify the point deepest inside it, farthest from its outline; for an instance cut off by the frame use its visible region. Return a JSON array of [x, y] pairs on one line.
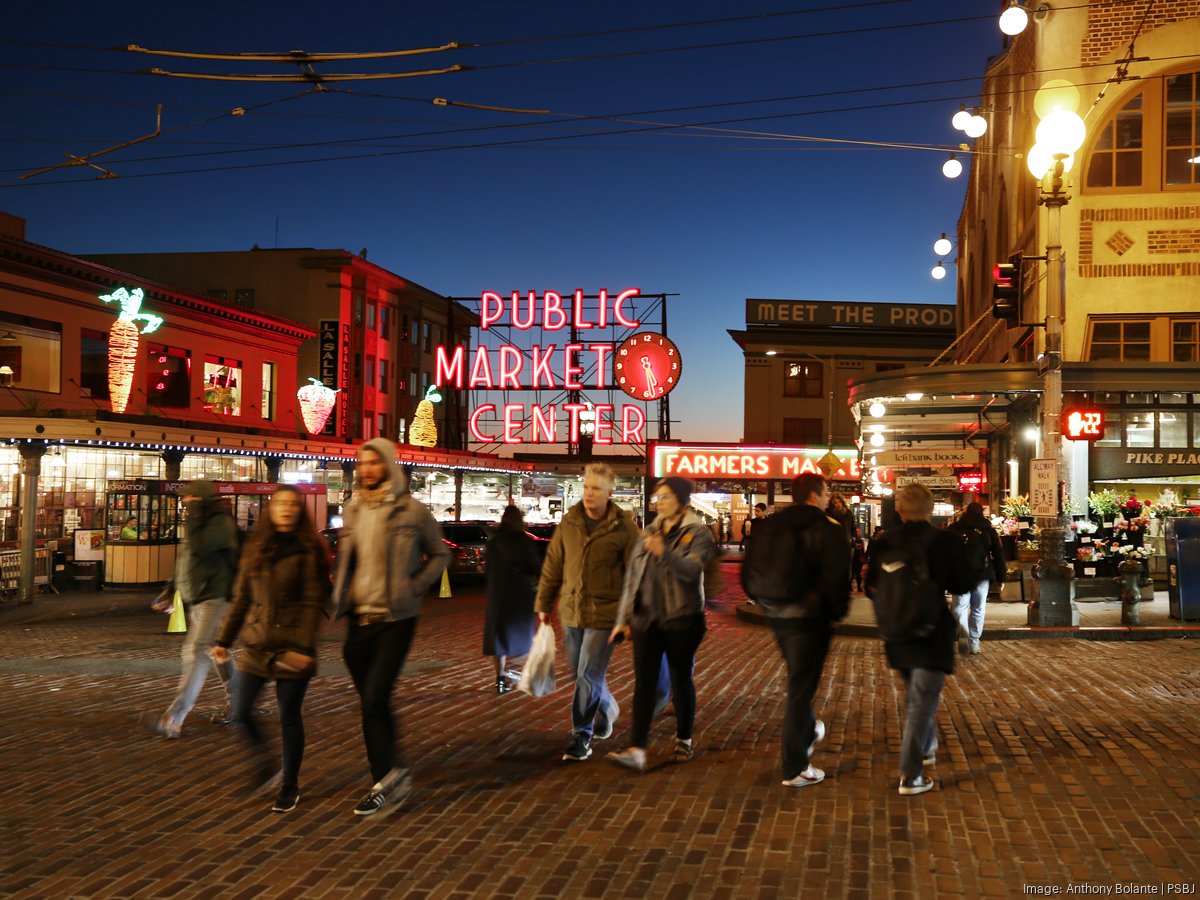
[[1151, 142]]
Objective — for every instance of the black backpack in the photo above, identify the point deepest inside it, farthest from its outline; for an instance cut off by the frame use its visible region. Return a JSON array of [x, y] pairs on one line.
[[908, 602], [978, 549], [775, 569]]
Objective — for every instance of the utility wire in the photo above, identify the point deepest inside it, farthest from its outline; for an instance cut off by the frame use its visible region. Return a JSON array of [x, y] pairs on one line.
[[294, 56]]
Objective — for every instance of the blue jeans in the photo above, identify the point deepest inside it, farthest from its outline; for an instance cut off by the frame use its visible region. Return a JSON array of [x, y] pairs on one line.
[[203, 621], [923, 691], [588, 652], [968, 610]]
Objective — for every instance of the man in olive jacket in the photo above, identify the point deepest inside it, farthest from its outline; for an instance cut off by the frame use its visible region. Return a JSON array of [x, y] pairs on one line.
[[205, 565], [584, 571]]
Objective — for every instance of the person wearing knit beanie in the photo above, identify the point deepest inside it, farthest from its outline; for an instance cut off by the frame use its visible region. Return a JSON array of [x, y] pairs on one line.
[[680, 487]]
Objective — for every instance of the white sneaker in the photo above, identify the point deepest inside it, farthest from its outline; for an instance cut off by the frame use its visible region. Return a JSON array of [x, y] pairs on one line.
[[631, 758], [809, 776]]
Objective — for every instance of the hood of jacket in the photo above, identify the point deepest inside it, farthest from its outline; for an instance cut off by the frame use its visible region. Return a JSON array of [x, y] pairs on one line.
[[395, 473]]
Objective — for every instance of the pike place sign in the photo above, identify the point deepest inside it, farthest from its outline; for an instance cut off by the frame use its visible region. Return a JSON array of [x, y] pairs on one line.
[[933, 457]]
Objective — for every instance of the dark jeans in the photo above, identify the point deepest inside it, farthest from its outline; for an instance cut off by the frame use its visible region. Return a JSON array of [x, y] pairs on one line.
[[289, 692], [679, 646], [375, 654], [804, 650]]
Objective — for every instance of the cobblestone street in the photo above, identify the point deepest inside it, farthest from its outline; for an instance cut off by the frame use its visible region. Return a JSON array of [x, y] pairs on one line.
[[1061, 762]]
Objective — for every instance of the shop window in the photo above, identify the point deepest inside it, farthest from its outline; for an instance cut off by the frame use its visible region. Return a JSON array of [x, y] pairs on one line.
[[416, 331], [404, 326], [222, 385], [803, 379], [1139, 429], [1173, 429], [1116, 159], [1119, 341], [93, 364], [385, 319], [371, 370], [1113, 429], [427, 334], [359, 302], [218, 293], [381, 424], [1185, 341], [412, 383], [383, 376], [244, 297], [168, 376], [31, 354], [803, 432], [1181, 134], [1173, 399], [268, 390], [371, 323]]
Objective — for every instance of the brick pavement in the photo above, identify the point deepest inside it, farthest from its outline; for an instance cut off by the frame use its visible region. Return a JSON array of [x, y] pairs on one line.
[[1060, 762]]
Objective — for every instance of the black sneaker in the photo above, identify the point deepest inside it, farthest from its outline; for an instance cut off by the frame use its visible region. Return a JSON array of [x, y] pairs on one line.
[[289, 796], [918, 785], [580, 749], [603, 731], [387, 794]]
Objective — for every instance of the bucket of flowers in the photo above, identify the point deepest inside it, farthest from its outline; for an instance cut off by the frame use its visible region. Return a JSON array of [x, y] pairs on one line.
[[1105, 505], [1027, 551], [1087, 560], [1007, 527]]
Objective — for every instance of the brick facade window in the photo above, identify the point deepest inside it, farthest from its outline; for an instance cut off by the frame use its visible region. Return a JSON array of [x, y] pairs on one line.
[[803, 379], [803, 432], [1119, 341], [1181, 140], [1149, 142], [1116, 159], [1185, 341]]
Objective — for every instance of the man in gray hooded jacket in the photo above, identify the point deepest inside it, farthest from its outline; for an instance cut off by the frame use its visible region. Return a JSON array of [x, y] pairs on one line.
[[389, 554]]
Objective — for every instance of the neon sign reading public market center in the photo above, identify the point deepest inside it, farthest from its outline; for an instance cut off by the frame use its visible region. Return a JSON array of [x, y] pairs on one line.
[[645, 366]]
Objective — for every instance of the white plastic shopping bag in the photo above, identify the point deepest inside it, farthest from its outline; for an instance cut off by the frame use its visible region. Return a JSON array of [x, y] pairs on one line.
[[537, 675]]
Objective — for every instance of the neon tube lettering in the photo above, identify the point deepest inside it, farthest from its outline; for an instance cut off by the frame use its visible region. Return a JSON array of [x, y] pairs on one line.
[[448, 370], [473, 423], [633, 425], [489, 299], [510, 367], [571, 369], [602, 424]]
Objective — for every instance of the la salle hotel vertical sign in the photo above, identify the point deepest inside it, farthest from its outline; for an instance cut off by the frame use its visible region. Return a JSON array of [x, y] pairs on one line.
[[645, 366]]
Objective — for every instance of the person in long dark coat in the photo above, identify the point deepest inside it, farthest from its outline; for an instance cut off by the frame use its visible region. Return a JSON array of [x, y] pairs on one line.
[[512, 571]]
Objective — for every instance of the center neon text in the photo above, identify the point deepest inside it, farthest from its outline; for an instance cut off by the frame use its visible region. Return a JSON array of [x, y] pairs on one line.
[[523, 313]]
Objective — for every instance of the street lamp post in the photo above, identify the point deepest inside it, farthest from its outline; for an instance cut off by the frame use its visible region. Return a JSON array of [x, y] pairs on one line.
[[1059, 135]]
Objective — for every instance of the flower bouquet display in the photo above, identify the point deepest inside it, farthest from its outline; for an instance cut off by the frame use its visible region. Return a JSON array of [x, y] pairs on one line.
[[1105, 505], [1007, 527]]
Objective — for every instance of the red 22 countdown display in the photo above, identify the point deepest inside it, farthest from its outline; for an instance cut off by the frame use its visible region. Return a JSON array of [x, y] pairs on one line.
[[646, 366]]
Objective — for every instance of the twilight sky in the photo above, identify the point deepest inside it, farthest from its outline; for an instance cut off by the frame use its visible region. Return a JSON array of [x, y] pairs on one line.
[[464, 200]]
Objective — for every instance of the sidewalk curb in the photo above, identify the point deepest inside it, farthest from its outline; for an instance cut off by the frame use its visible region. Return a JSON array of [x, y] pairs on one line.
[[749, 612]]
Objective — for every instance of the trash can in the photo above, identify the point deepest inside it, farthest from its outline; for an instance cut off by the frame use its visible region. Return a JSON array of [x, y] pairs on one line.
[[1183, 568], [87, 575]]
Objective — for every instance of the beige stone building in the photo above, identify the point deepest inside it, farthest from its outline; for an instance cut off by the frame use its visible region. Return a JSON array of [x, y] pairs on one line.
[[1130, 273]]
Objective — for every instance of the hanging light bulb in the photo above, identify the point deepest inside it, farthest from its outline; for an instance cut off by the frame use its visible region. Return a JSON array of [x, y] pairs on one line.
[[1014, 19], [942, 245], [877, 410], [938, 272], [914, 396], [976, 126], [952, 168], [959, 119], [877, 439], [1062, 130]]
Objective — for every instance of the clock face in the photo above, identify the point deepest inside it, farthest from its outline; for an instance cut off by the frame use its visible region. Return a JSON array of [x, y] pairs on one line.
[[646, 366]]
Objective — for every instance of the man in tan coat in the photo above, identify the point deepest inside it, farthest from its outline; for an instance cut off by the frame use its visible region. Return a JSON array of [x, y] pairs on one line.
[[584, 572]]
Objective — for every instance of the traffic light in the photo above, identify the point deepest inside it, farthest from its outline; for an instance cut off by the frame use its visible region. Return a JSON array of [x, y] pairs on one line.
[[1006, 289]]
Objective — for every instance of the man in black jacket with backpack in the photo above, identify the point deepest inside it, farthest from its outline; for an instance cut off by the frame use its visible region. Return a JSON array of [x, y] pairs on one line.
[[985, 555], [909, 571], [796, 570]]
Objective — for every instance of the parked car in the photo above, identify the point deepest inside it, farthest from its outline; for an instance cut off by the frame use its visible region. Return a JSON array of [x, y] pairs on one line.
[[540, 534], [466, 541]]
